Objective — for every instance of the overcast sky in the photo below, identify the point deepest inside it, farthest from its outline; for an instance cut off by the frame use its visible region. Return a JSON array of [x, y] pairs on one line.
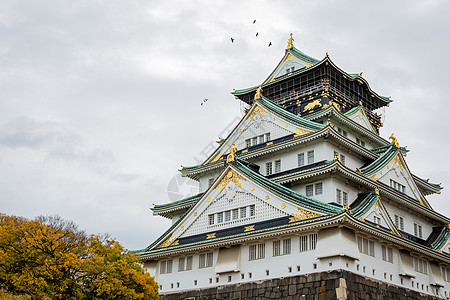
[[100, 100]]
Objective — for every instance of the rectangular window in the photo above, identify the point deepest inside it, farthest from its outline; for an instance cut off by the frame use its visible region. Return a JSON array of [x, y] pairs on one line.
[[301, 159], [165, 267], [399, 222], [345, 198], [344, 133], [261, 139], [181, 264], [189, 261], [205, 260], [228, 215], [287, 246], [211, 219], [248, 143], [256, 251], [235, 214], [267, 136], [269, 168], [377, 220], [254, 141], [308, 242], [366, 246], [252, 210], [420, 265], [220, 217], [358, 141], [310, 157], [363, 143], [338, 196], [277, 166], [243, 211], [418, 230], [397, 186], [387, 254], [446, 274], [319, 188], [276, 248], [309, 190]]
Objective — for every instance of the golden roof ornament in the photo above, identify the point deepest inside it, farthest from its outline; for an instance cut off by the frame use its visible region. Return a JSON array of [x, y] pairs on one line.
[[290, 42], [394, 141], [258, 93], [232, 154], [377, 191]]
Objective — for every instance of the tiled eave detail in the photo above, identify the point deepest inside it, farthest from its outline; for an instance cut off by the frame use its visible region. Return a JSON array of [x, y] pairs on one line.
[[385, 190], [401, 242], [326, 132], [344, 219], [426, 187], [168, 210], [332, 111]]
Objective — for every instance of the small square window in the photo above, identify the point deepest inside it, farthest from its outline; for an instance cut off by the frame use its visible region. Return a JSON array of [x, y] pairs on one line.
[[269, 168], [195, 282], [289, 269], [301, 159], [229, 278], [210, 280], [319, 188], [309, 190], [242, 276], [217, 279], [298, 268], [267, 272], [314, 266], [249, 274]]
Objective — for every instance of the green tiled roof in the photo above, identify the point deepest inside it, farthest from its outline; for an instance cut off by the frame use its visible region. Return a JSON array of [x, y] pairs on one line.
[[387, 153], [272, 106], [442, 237], [245, 90], [303, 56], [179, 201], [353, 110], [285, 192], [363, 204]]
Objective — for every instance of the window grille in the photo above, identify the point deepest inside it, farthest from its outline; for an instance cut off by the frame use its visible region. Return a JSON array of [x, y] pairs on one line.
[[319, 188], [310, 190], [310, 156], [228, 215], [276, 248], [420, 265], [165, 267], [287, 246], [387, 254], [181, 264], [377, 220], [256, 251], [211, 219], [235, 214], [248, 143], [366, 246], [308, 242], [189, 261], [338, 196], [252, 210], [261, 139], [243, 211], [205, 260], [220, 217], [301, 159], [277, 166], [345, 198], [418, 230], [267, 136], [269, 168], [254, 141], [343, 159]]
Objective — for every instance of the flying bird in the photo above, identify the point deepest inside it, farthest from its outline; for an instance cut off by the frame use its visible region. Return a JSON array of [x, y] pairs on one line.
[[270, 44], [257, 34], [204, 100], [254, 21], [232, 40]]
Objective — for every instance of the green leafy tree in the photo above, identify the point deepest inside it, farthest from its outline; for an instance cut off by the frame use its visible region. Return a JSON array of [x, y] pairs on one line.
[[49, 258]]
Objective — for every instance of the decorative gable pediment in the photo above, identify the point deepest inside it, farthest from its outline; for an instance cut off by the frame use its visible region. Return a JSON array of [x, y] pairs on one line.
[[259, 126], [396, 174], [233, 204], [359, 116]]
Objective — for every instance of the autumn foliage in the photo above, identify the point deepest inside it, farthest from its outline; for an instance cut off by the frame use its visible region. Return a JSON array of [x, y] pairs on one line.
[[49, 258]]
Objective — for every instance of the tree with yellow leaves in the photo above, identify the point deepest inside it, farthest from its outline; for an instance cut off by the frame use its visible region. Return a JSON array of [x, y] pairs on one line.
[[49, 258]]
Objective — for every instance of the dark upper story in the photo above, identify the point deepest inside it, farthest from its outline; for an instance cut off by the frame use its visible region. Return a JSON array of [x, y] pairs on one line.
[[313, 87]]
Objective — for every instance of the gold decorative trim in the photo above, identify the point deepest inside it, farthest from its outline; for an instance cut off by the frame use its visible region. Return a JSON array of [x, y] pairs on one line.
[[249, 228], [211, 236], [300, 132], [169, 241], [257, 110], [252, 188], [267, 197], [269, 143], [245, 151], [208, 199], [289, 57], [398, 161], [303, 215], [258, 93], [182, 228], [290, 42], [216, 158], [313, 104], [230, 176], [283, 205], [232, 154], [195, 213]]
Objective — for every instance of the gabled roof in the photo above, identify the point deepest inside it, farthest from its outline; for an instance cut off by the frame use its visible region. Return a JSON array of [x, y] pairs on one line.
[[311, 64], [242, 170], [360, 110], [168, 209], [261, 106]]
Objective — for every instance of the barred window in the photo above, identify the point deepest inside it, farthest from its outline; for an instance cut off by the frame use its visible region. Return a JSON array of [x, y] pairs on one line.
[[261, 139], [377, 220], [276, 248], [338, 196], [243, 211], [248, 143], [211, 219], [277, 166], [387, 254], [252, 210], [189, 261], [205, 260], [235, 214], [310, 156], [181, 264], [420, 265], [256, 251], [418, 230], [308, 242], [319, 189], [345, 198], [310, 190], [397, 186], [228, 215], [301, 159], [399, 222], [165, 267], [366, 246], [446, 274], [286, 246], [269, 168], [220, 217], [267, 136], [254, 141]]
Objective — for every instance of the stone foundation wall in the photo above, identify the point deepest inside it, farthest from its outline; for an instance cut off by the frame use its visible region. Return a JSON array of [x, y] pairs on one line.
[[337, 284]]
